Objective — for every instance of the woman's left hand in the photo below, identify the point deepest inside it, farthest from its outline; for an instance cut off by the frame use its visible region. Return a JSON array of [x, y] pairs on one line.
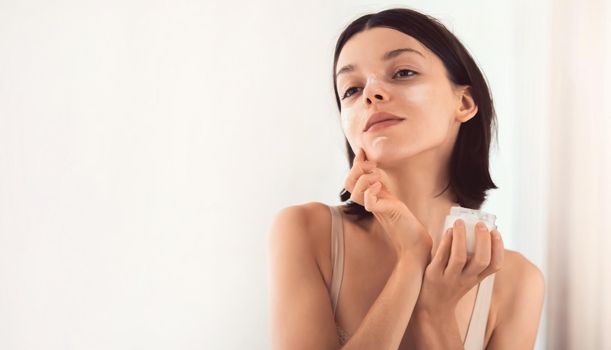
[[451, 274]]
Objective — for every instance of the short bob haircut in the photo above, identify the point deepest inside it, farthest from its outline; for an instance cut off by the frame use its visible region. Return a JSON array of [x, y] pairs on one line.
[[469, 173]]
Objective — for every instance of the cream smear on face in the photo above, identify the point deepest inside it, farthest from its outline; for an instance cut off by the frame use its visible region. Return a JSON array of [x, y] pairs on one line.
[[377, 140]]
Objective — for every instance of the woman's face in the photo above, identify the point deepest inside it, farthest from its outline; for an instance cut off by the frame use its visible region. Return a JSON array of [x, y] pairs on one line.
[[411, 85]]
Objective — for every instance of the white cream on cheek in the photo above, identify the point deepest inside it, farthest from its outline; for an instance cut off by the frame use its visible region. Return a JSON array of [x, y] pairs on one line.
[[344, 119], [378, 139], [417, 94], [350, 120], [428, 109], [421, 103]]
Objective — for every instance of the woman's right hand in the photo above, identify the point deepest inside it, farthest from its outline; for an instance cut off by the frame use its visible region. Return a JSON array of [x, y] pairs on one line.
[[366, 184]]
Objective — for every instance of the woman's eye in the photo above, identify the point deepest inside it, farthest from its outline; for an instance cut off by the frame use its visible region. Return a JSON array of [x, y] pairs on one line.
[[346, 95], [405, 70]]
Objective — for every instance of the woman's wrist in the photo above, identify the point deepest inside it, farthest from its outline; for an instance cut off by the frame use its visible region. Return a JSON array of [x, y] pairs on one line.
[[430, 329], [430, 317], [419, 254], [413, 257]]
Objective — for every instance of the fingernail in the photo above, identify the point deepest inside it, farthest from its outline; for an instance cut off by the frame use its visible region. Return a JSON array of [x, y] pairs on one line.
[[460, 223], [481, 226]]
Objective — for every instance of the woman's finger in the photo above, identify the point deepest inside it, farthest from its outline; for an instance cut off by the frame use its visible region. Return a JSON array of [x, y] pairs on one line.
[[371, 196], [442, 255], [497, 255], [363, 183], [458, 254], [481, 256], [360, 166]]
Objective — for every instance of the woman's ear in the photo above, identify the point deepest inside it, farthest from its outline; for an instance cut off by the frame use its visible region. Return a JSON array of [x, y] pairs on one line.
[[466, 107]]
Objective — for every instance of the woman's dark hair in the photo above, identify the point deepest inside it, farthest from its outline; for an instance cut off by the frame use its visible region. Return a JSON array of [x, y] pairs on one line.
[[469, 174]]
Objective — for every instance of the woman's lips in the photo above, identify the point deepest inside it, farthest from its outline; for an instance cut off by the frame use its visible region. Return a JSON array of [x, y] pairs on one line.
[[384, 124]]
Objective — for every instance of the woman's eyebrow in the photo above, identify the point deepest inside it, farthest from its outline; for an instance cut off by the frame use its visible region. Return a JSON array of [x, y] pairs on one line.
[[390, 54]]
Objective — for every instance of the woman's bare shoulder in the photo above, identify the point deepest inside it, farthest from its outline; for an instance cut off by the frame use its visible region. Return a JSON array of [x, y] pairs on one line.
[[519, 290], [308, 222], [307, 226], [310, 213], [516, 267], [318, 217], [518, 278]]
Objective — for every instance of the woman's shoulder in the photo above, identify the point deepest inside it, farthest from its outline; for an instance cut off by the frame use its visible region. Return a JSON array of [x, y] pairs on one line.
[[309, 214], [517, 301], [517, 279], [308, 221], [305, 230], [315, 211], [308, 211], [293, 230], [517, 268]]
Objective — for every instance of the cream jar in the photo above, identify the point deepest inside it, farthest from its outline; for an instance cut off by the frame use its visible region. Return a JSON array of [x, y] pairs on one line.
[[470, 217]]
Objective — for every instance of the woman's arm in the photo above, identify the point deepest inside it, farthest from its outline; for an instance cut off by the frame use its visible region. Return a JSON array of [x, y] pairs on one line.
[[518, 321], [434, 331], [449, 276], [301, 314], [386, 321]]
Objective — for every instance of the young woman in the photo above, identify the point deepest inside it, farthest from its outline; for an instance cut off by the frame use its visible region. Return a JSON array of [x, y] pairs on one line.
[[378, 272]]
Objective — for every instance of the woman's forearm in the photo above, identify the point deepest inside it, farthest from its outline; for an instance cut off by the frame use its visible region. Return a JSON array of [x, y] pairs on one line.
[[386, 321], [434, 331]]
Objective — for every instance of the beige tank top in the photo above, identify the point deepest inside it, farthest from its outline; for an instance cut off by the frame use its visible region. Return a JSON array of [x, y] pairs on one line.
[[476, 331]]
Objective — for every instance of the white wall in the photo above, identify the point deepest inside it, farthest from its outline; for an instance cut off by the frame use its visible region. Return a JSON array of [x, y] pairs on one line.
[[145, 147]]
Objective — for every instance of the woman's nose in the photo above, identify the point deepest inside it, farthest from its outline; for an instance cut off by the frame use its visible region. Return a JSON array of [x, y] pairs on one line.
[[374, 90]]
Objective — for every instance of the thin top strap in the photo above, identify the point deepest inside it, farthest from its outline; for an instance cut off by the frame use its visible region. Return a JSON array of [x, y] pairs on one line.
[[476, 332], [337, 253]]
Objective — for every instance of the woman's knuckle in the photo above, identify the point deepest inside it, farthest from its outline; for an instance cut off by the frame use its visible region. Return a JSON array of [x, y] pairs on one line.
[[459, 260], [481, 262], [483, 274]]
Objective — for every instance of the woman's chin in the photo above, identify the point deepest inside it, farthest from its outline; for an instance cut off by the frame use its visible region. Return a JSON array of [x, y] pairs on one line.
[[380, 147], [388, 155], [383, 155]]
